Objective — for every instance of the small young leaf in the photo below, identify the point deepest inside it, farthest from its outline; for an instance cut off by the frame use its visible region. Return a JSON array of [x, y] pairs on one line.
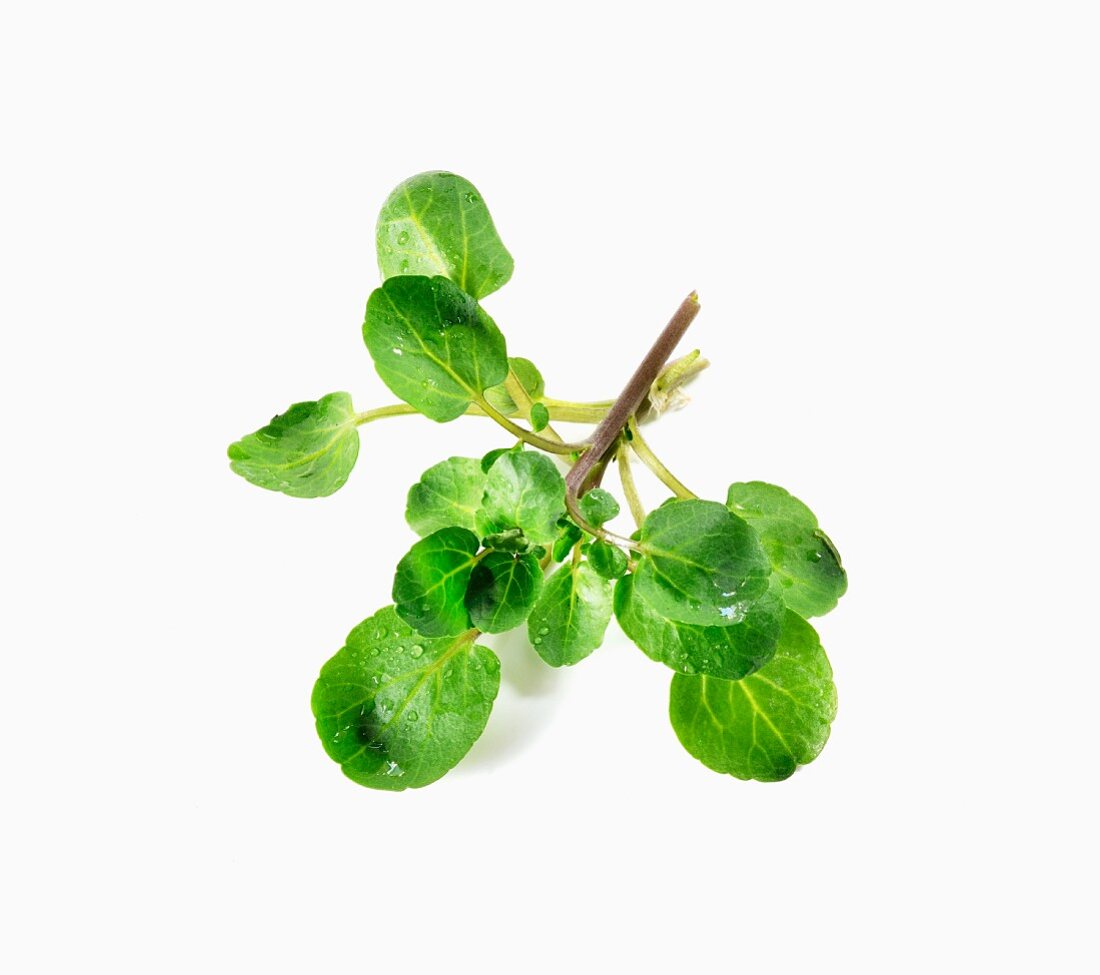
[[728, 652], [804, 559], [433, 345], [700, 563], [397, 710], [571, 615], [608, 560], [599, 506], [491, 458], [767, 724], [437, 223], [529, 378], [446, 495], [526, 491], [306, 452], [540, 417], [568, 536], [429, 586], [502, 590]]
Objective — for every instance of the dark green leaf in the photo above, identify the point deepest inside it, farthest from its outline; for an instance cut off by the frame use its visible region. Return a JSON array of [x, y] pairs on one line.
[[529, 378], [397, 710], [540, 417], [700, 564], [571, 615], [729, 652], [502, 590], [805, 562], [429, 587], [767, 724], [446, 495], [523, 490], [437, 223], [607, 559], [598, 506], [306, 452], [568, 536], [432, 345]]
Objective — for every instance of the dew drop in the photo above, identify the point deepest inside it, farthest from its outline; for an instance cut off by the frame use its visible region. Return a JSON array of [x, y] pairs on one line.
[[470, 197], [537, 641], [403, 238], [405, 267], [416, 650], [544, 630], [413, 716]]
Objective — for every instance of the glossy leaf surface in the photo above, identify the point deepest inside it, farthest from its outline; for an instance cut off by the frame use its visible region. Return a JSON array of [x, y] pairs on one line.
[[571, 616], [447, 494], [523, 490], [502, 590], [430, 584]]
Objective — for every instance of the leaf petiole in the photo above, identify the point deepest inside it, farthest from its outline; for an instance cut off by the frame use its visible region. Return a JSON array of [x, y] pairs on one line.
[[630, 489], [653, 462], [527, 436]]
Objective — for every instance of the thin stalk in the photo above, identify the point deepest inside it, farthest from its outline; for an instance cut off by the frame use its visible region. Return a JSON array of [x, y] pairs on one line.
[[653, 462], [570, 412], [630, 489], [398, 409], [527, 436], [524, 403]]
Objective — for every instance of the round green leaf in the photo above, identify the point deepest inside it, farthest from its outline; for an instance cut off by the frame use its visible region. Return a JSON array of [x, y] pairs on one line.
[[437, 223], [608, 560], [571, 616], [700, 563], [529, 378], [598, 506], [523, 490], [804, 559], [767, 724], [728, 652], [446, 495], [540, 417], [429, 586], [433, 345], [306, 452], [397, 710], [502, 590]]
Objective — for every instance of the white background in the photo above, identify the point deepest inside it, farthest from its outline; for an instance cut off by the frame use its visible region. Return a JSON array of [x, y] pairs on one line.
[[890, 212]]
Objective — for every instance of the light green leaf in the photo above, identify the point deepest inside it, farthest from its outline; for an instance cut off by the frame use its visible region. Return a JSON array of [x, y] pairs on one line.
[[571, 616], [433, 346], [568, 536], [429, 586], [540, 417], [502, 590], [608, 560], [306, 452], [700, 564], [728, 652], [523, 490], [598, 506], [767, 724], [529, 378], [398, 710], [805, 561], [446, 495], [437, 223]]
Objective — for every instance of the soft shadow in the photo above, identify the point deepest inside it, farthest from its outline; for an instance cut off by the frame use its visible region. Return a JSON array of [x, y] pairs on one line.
[[529, 694]]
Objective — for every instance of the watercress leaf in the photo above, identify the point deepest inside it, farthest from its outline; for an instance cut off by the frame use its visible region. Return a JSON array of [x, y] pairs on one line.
[[437, 223], [502, 590], [433, 346], [397, 710], [540, 417], [529, 378], [804, 559], [767, 724], [447, 494], [700, 563], [429, 586], [523, 490], [306, 452], [569, 620], [608, 560], [728, 652], [599, 506], [569, 535], [491, 458]]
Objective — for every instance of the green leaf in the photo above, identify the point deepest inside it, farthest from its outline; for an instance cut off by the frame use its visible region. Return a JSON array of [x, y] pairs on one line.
[[700, 563], [397, 710], [599, 506], [805, 561], [608, 560], [571, 615], [526, 491], [728, 652], [767, 724], [529, 378], [437, 223], [502, 590], [568, 536], [540, 417], [306, 452], [446, 495], [429, 587], [433, 345]]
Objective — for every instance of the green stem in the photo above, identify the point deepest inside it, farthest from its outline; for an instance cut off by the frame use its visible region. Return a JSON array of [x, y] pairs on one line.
[[398, 409], [653, 462], [570, 412], [524, 403], [630, 489], [527, 436]]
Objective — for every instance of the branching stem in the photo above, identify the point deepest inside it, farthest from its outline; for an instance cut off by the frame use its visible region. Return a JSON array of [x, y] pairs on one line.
[[653, 462]]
